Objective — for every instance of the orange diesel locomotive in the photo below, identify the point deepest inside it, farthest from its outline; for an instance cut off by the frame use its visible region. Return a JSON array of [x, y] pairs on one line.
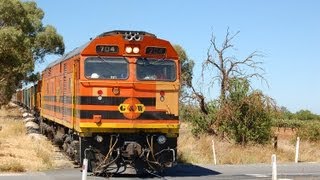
[[114, 101]]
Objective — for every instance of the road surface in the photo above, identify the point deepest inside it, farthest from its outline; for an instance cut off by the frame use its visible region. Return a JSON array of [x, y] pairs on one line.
[[184, 172]]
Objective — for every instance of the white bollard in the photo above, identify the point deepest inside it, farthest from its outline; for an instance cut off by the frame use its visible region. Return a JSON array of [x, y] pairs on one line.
[[214, 153], [296, 159], [84, 169], [274, 166]]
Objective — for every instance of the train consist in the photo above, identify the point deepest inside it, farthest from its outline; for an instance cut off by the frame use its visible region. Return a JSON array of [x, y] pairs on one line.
[[113, 101]]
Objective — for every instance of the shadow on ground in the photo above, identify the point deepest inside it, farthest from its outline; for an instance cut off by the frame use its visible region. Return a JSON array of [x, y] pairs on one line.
[[187, 170], [180, 170]]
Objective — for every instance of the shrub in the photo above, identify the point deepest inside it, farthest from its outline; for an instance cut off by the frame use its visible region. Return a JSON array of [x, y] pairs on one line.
[[246, 121], [306, 115], [245, 117], [201, 123], [287, 123], [310, 131]]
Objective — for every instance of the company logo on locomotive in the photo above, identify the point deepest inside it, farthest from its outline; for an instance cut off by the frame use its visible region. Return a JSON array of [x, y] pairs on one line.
[[131, 108]]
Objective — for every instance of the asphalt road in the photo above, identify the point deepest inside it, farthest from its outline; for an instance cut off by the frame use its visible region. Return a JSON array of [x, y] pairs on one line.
[[183, 172]]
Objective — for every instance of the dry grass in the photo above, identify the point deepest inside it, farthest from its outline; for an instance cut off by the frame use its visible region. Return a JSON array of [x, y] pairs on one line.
[[199, 150], [309, 152], [18, 152], [12, 166]]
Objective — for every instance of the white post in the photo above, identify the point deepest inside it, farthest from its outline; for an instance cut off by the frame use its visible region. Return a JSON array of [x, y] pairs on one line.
[[274, 166], [84, 169], [296, 159], [214, 153]]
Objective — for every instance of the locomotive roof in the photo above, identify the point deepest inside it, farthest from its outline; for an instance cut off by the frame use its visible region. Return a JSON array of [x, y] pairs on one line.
[[70, 54], [78, 50]]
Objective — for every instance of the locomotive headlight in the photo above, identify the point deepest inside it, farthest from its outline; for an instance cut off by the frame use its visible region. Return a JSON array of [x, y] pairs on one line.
[[99, 139], [128, 49], [136, 50], [161, 139]]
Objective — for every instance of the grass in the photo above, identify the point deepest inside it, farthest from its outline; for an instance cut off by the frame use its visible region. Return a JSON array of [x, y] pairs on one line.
[[199, 150], [18, 152], [12, 166]]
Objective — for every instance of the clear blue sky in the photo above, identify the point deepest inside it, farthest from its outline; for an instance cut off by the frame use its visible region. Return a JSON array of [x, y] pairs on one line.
[[287, 31]]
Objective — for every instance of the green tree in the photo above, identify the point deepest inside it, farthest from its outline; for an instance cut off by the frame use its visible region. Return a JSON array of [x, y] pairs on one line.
[[284, 113], [306, 115], [187, 65], [24, 41]]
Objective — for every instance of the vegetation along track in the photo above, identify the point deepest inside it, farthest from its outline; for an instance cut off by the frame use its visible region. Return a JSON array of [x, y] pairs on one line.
[[22, 152]]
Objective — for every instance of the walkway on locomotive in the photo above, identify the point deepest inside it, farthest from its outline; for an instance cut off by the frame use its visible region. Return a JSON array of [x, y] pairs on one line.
[[115, 88]]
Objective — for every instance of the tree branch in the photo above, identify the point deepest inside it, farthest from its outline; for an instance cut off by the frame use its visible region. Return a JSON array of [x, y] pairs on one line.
[[229, 67], [201, 101]]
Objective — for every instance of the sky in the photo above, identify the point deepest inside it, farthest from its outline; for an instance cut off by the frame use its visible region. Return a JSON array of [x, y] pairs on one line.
[[287, 32]]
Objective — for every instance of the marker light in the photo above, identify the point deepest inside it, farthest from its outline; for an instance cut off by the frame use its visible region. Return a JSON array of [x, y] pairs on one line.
[[136, 50], [128, 49], [162, 93], [100, 92]]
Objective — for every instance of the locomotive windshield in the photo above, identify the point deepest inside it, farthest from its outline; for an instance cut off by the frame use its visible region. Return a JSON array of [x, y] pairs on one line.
[[106, 68], [153, 69]]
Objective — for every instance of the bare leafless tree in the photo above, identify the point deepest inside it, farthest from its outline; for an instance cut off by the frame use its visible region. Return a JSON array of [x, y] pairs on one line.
[[229, 66]]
